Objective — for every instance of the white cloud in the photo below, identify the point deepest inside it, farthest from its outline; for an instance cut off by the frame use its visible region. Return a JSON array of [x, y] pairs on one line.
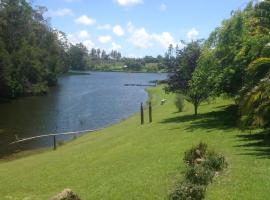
[[127, 3], [192, 34], [83, 34], [116, 46], [130, 27], [118, 30], [85, 20], [141, 39], [73, 39], [104, 39], [81, 37], [163, 7], [89, 44], [104, 27], [165, 39], [62, 12]]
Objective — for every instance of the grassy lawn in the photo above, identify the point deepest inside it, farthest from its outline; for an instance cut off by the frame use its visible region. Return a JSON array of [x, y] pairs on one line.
[[129, 161]]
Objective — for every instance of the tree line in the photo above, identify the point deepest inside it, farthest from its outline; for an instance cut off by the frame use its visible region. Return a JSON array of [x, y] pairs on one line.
[[234, 61], [33, 54]]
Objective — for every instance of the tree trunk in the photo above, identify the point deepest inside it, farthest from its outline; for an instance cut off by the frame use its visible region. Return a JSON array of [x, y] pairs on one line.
[[195, 109]]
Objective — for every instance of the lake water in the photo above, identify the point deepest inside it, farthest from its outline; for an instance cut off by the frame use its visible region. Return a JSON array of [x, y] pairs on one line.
[[79, 102]]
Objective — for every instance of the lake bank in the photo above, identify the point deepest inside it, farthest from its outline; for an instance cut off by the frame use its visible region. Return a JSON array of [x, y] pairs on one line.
[[130, 161]]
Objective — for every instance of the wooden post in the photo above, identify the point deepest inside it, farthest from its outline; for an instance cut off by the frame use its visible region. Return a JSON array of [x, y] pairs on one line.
[[54, 142], [150, 112], [142, 114]]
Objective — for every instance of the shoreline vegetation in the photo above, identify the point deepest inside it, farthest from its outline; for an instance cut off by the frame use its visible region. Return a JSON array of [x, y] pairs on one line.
[[146, 159], [33, 53]]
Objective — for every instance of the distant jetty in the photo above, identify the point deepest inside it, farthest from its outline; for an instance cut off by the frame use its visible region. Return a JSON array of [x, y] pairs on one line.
[[141, 85]]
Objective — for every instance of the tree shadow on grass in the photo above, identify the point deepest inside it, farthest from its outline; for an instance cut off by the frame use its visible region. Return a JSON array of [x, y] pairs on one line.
[[256, 144], [224, 119]]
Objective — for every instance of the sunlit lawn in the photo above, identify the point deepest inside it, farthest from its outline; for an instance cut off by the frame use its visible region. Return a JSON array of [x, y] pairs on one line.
[[129, 161]]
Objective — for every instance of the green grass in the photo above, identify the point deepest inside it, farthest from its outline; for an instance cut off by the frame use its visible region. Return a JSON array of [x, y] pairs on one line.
[[129, 161]]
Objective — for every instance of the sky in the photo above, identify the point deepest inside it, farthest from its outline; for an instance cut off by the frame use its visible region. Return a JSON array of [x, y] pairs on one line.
[[137, 27]]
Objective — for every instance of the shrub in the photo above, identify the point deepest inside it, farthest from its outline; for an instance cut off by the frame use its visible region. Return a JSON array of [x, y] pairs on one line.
[[201, 169], [200, 175], [188, 191], [179, 102], [215, 162], [194, 153]]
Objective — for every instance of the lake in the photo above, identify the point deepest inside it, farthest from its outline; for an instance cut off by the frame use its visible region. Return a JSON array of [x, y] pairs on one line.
[[78, 102]]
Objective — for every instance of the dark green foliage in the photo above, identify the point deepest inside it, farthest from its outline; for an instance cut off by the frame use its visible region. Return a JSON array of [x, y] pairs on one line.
[[201, 169], [186, 79], [198, 174], [79, 57], [39, 89], [214, 161], [194, 153], [186, 62], [235, 61], [179, 102], [255, 104], [31, 53], [188, 191]]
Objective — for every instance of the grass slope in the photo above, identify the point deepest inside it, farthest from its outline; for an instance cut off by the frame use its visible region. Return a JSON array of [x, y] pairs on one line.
[[129, 161]]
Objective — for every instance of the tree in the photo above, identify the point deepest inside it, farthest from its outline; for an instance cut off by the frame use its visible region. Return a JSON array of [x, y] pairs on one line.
[[5, 79], [186, 63], [199, 88], [169, 59], [79, 57], [186, 79]]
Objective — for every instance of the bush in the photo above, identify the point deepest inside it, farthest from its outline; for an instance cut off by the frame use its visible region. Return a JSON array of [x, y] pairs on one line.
[[194, 153], [215, 162], [179, 102], [188, 191], [200, 175], [201, 169]]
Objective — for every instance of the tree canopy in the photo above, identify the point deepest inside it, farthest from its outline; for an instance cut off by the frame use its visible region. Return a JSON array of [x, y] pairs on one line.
[[31, 53]]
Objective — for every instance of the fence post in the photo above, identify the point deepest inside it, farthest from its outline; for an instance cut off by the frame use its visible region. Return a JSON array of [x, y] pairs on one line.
[[150, 112], [54, 142], [142, 114]]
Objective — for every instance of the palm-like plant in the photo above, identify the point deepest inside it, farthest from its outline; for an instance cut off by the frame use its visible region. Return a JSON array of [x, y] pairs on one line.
[[255, 107]]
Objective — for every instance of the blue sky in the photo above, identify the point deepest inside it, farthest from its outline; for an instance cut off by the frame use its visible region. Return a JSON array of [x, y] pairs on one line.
[[137, 27]]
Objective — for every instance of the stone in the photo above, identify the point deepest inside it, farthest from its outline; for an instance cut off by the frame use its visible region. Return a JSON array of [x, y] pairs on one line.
[[66, 194], [198, 153]]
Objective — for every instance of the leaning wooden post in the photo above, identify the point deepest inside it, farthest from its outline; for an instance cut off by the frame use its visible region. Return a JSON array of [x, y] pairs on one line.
[[150, 112], [54, 142], [142, 114]]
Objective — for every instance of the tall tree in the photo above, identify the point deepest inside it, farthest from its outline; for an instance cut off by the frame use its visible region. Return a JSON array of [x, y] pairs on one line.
[[186, 63], [78, 57]]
